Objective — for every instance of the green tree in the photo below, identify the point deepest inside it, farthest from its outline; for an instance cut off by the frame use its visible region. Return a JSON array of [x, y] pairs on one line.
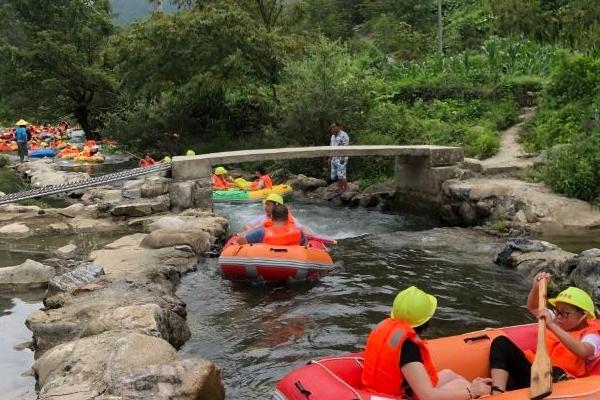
[[209, 79], [53, 58]]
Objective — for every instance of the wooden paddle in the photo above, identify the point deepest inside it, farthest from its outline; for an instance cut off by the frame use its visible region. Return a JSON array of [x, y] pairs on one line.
[[541, 370]]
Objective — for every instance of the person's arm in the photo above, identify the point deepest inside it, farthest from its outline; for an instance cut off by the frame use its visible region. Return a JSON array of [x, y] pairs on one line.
[[532, 299], [254, 236], [580, 349], [344, 142], [419, 381]]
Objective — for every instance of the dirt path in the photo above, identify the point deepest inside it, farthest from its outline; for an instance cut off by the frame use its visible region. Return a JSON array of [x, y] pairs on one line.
[[511, 156]]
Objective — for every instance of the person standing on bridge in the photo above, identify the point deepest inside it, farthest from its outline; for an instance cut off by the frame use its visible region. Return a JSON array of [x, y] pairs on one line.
[[21, 138], [338, 164]]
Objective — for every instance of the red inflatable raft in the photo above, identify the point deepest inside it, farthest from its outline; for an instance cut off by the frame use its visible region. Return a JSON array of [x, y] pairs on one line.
[[269, 263], [339, 378]]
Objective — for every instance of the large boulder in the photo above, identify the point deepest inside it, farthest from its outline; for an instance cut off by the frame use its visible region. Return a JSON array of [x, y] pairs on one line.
[[199, 241], [138, 209], [91, 309], [182, 380], [85, 368], [307, 184], [202, 194], [154, 186], [30, 273]]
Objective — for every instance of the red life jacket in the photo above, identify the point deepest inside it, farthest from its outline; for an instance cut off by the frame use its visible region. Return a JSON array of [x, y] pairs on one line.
[[563, 358], [146, 162], [381, 372], [282, 235], [265, 179], [219, 182]]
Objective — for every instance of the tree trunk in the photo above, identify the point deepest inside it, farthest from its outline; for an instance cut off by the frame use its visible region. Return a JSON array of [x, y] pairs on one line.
[[82, 116]]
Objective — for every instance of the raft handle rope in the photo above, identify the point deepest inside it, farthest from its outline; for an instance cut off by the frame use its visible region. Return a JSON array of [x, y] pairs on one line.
[[358, 396]]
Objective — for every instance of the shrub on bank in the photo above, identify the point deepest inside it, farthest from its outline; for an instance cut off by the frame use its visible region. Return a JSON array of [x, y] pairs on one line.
[[3, 161]]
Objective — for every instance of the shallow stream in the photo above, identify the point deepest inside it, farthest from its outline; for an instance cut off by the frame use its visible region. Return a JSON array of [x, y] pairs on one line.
[[257, 334]]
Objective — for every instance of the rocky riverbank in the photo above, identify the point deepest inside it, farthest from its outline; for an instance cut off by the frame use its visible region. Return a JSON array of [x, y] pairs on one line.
[[112, 323], [532, 256]]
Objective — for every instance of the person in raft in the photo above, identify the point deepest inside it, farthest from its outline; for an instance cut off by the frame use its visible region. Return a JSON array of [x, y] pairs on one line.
[[268, 204], [263, 181], [572, 339], [398, 363], [221, 179], [276, 231]]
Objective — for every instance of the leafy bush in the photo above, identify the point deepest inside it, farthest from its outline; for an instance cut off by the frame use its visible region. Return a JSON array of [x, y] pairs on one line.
[[3, 161], [574, 169], [481, 143]]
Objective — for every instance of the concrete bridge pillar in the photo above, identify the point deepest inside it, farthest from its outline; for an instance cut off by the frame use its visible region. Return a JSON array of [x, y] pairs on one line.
[[418, 180]]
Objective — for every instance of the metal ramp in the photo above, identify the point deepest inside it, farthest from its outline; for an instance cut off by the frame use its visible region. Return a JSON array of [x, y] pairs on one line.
[[95, 181]]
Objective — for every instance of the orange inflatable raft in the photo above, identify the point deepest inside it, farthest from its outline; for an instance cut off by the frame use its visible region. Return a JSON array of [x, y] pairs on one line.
[[268, 263], [339, 377], [8, 147]]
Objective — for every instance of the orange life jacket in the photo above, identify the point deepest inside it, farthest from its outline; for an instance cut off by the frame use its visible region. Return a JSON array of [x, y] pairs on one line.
[[87, 151], [265, 179], [563, 358], [220, 182], [381, 372], [282, 235]]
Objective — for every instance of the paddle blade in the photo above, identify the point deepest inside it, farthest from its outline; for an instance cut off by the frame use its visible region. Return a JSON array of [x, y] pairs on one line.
[[541, 377], [541, 369]]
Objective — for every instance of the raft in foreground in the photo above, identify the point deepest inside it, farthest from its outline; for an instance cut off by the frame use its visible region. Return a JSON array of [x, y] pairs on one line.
[[340, 377], [268, 263], [243, 196]]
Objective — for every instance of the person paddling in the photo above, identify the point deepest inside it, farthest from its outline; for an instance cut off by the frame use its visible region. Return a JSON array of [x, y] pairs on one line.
[[264, 180], [572, 340], [398, 362]]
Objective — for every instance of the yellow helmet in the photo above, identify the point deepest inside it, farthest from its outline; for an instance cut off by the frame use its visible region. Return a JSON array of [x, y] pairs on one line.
[[274, 197], [576, 297], [413, 306], [22, 122], [44, 144], [190, 153], [220, 171], [166, 160]]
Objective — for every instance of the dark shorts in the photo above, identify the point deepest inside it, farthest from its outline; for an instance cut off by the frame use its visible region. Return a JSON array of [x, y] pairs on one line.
[[22, 149]]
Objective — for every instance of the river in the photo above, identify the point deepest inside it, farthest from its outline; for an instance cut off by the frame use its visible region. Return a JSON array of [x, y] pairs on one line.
[[257, 334]]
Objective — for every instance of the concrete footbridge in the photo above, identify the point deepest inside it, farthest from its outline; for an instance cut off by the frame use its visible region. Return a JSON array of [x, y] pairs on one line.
[[420, 170]]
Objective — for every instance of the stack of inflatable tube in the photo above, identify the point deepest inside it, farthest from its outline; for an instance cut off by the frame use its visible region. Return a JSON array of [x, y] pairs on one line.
[[237, 196], [268, 263], [340, 377]]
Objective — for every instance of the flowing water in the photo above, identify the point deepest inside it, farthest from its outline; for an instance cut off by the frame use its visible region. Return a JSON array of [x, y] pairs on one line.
[[257, 334]]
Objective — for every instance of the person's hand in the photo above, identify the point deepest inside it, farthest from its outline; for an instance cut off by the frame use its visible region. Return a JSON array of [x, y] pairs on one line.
[[539, 277], [480, 387], [547, 315]]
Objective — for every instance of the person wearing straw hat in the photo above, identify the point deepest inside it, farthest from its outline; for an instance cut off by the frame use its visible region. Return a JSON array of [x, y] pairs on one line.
[[21, 138], [398, 362], [572, 340]]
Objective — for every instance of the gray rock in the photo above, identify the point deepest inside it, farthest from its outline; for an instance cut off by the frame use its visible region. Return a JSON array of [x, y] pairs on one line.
[[17, 228], [154, 186], [198, 240], [379, 188], [30, 273], [67, 251], [202, 194], [180, 194], [160, 204], [368, 200], [281, 175], [484, 207], [85, 368], [132, 210], [522, 245], [467, 214], [71, 280], [186, 379], [307, 184]]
